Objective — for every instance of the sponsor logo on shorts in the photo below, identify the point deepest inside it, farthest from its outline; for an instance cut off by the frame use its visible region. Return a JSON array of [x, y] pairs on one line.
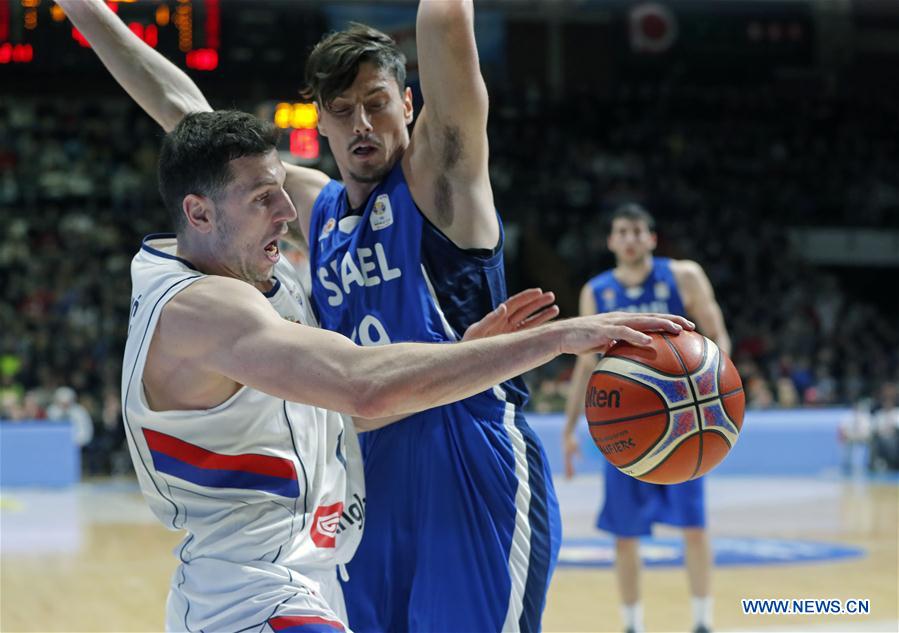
[[325, 523]]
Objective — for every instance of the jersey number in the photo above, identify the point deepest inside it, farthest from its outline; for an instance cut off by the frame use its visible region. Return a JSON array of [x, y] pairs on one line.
[[370, 332]]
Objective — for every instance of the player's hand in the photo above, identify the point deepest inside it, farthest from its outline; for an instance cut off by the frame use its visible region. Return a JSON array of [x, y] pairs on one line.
[[599, 332], [529, 308], [571, 449]]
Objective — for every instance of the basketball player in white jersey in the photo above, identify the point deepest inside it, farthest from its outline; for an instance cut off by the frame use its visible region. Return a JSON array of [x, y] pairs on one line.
[[643, 283], [230, 395]]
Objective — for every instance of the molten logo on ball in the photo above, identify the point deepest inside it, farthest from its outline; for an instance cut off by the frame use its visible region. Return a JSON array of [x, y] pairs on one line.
[[602, 398], [683, 413]]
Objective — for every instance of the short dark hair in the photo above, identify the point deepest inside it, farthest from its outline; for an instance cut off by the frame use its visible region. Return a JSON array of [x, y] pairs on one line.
[[634, 212], [195, 155], [334, 62]]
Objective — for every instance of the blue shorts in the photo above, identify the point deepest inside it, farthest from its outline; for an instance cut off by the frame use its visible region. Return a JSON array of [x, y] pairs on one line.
[[631, 506], [462, 524]]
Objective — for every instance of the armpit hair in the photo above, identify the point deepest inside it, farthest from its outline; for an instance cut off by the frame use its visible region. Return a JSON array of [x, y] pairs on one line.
[[449, 157]]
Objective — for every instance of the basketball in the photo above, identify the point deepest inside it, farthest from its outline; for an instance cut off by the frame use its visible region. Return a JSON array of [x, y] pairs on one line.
[[665, 413]]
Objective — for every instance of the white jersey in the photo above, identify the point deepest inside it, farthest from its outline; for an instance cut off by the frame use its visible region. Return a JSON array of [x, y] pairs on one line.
[[257, 481]]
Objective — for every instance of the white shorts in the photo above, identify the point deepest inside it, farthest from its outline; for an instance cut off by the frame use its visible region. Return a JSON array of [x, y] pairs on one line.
[[215, 595]]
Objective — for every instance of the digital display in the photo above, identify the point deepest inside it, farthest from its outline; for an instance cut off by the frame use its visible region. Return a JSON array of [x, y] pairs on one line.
[[31, 30]]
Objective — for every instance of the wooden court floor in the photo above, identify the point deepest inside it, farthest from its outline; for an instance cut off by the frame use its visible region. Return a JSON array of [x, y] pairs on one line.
[[93, 559]]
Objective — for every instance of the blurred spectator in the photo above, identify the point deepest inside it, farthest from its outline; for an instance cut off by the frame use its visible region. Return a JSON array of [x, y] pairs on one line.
[[855, 435], [65, 407], [885, 430], [726, 170]]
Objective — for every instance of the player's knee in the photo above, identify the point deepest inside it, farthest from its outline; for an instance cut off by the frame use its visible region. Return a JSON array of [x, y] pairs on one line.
[[627, 543], [695, 535]]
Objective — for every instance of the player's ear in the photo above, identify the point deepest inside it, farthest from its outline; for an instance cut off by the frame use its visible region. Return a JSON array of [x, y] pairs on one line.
[[198, 211], [322, 130], [653, 239], [408, 108]]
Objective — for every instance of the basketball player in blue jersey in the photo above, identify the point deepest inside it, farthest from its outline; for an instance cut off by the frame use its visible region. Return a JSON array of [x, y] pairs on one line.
[[643, 283], [463, 526]]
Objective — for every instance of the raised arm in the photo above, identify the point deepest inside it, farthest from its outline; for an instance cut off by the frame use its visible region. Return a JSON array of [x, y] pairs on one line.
[[700, 303], [162, 89], [224, 327], [166, 93], [450, 137], [580, 376]]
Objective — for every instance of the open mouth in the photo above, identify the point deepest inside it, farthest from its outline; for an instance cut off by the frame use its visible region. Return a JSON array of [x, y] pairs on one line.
[[364, 151], [271, 251]]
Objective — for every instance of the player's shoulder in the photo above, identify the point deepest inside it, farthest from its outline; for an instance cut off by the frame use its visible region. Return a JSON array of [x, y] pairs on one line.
[[603, 279], [685, 267], [212, 297]]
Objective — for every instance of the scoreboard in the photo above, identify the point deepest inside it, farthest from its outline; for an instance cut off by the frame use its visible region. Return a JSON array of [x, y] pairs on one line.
[[33, 32]]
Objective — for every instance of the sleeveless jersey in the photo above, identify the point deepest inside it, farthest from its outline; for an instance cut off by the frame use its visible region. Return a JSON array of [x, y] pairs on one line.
[[657, 293], [255, 478], [388, 275]]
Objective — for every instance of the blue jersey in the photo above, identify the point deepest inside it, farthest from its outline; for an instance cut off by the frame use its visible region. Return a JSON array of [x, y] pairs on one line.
[[632, 506], [657, 293], [389, 275], [431, 557]]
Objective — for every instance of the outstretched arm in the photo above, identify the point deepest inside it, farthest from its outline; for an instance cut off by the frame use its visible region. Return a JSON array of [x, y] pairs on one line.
[[162, 89], [224, 327], [166, 93], [526, 310], [450, 177], [580, 376]]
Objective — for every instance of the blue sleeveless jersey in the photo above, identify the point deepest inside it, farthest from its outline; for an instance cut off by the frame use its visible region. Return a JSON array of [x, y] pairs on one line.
[[636, 504], [431, 557], [657, 293], [390, 276]]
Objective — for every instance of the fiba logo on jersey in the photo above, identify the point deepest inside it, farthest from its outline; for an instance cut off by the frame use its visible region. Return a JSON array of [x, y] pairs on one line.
[[325, 523], [326, 230], [381, 213], [663, 292]]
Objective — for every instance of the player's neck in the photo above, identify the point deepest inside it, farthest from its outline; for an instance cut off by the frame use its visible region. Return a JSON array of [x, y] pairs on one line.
[[208, 264], [633, 273]]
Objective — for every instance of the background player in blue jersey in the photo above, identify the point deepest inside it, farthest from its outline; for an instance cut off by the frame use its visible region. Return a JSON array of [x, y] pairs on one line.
[[462, 527], [643, 283]]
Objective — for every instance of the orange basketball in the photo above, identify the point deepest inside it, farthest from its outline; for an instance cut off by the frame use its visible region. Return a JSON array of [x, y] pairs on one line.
[[665, 413]]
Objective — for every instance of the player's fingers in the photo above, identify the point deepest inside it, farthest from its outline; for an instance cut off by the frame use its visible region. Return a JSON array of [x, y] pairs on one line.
[[632, 336], [652, 323], [533, 305], [516, 301], [685, 323], [540, 318]]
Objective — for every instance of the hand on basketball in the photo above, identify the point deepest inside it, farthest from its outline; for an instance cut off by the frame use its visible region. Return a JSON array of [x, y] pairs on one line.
[[529, 308], [571, 448], [599, 332]]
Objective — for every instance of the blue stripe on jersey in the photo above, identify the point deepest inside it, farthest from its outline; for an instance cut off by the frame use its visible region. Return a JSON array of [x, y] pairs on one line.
[[213, 478], [542, 558], [657, 293]]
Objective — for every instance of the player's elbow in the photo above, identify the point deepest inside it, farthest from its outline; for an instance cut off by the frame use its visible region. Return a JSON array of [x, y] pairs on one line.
[[370, 401]]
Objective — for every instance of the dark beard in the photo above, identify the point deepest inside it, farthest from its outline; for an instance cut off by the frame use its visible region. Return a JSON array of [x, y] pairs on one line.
[[375, 177]]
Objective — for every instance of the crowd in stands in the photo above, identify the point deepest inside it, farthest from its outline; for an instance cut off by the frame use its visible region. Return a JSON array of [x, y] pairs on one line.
[[726, 172]]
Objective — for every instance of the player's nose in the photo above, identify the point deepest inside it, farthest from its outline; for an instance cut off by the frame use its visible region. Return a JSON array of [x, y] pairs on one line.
[[285, 210], [361, 122]]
